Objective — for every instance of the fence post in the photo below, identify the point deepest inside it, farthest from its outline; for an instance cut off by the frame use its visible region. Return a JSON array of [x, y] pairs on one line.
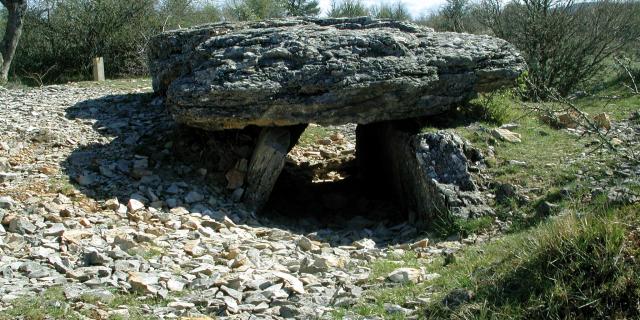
[[98, 69]]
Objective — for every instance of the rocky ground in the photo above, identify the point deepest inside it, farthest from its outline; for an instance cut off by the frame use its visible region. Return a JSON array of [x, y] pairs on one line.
[[93, 200], [101, 198]]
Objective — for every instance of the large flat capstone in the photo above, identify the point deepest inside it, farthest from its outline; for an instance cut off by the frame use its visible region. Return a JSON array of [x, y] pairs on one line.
[[325, 71]]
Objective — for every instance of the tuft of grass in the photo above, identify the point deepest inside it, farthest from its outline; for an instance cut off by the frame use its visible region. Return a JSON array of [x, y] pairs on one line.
[[495, 108], [46, 306], [147, 252], [382, 267], [134, 304], [447, 226], [311, 135], [62, 185]]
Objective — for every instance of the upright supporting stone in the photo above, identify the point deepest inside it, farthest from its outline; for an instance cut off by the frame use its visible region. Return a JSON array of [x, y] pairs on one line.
[[426, 172], [266, 164], [385, 160], [98, 69]]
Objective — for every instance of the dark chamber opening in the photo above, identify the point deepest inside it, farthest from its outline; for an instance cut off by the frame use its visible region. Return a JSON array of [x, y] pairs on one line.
[[332, 194]]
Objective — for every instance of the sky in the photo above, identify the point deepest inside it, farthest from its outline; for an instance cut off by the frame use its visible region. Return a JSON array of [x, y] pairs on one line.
[[416, 7]]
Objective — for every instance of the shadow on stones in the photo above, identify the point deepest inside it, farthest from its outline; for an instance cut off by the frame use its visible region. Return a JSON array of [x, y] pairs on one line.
[[136, 150], [335, 204]]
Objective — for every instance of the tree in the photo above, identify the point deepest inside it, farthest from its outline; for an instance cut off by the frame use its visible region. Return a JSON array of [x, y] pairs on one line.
[[187, 13], [397, 11], [348, 8], [454, 13], [302, 8], [67, 34], [245, 10], [12, 33]]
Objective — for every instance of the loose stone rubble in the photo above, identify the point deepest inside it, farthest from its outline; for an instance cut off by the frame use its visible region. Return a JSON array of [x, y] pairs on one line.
[[100, 202]]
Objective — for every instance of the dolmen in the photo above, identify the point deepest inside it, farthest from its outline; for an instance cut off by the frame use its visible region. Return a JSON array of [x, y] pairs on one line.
[[280, 75]]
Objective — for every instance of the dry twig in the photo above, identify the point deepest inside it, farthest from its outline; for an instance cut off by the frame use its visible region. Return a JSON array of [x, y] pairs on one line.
[[633, 89], [39, 77]]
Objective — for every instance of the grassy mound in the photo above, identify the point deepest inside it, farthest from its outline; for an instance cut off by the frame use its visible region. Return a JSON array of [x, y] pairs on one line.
[[576, 266]]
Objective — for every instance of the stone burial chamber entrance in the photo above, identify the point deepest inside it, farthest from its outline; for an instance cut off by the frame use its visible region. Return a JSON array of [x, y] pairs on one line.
[[270, 79]]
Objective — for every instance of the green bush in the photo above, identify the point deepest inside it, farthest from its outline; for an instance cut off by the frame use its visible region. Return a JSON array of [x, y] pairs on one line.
[[61, 37], [348, 8], [496, 107]]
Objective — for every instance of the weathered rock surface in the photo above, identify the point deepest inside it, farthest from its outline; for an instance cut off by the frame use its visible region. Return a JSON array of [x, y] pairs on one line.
[[326, 71]]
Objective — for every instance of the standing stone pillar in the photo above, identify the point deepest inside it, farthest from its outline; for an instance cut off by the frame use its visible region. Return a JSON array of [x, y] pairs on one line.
[[98, 69], [267, 162], [386, 160]]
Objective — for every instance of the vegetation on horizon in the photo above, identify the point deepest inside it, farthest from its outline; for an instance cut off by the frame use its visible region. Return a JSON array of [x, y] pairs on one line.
[[566, 43]]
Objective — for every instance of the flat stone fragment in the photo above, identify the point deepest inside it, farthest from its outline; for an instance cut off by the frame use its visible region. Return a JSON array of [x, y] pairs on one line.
[[292, 282], [6, 202], [405, 275], [143, 282], [326, 71], [506, 135]]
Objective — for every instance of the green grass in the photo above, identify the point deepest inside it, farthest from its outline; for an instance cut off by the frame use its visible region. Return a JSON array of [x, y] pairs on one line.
[[614, 98], [134, 304], [382, 267], [63, 185], [147, 252], [50, 305], [495, 108], [311, 135], [449, 225], [45, 306], [575, 266]]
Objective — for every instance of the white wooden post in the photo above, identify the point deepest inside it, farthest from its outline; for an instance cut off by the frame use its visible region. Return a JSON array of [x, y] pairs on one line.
[[98, 69]]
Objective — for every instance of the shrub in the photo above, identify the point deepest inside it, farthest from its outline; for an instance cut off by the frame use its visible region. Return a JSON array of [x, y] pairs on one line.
[[496, 107], [348, 8], [63, 36], [564, 42]]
